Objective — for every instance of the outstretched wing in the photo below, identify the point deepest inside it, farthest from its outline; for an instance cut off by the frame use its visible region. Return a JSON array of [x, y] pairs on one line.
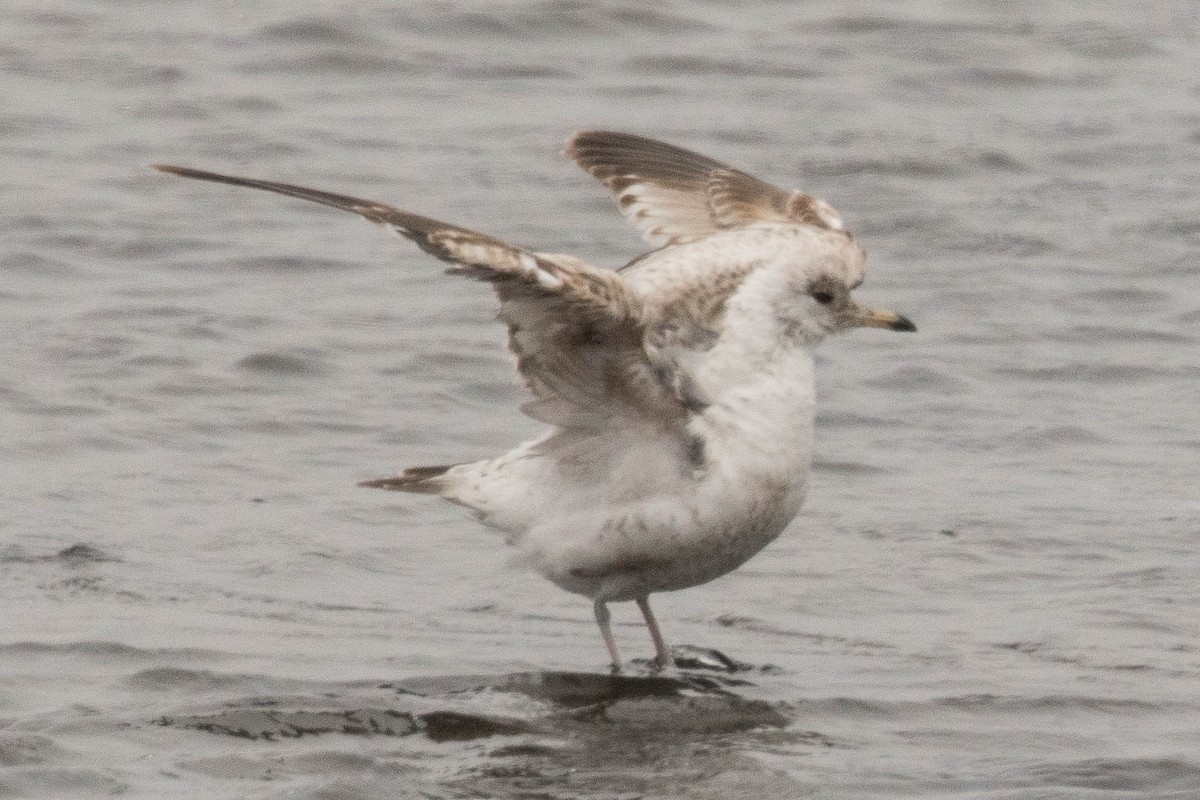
[[673, 195], [577, 331]]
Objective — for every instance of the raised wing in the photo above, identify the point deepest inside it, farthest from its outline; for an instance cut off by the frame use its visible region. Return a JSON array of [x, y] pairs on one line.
[[577, 331], [673, 195]]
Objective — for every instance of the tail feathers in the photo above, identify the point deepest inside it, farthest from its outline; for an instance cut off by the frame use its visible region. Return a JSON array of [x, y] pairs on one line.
[[422, 480]]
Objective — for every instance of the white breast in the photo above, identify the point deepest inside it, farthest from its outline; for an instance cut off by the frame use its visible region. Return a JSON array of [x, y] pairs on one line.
[[684, 530]]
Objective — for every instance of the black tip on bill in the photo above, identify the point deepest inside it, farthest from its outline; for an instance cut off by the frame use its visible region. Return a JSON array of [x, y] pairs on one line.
[[903, 323]]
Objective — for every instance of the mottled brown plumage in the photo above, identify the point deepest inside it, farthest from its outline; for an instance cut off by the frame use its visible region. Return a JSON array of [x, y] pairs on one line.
[[578, 332], [679, 389], [673, 195]]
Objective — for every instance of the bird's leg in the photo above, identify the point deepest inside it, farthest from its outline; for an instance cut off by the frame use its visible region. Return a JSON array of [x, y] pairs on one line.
[[663, 659], [602, 619]]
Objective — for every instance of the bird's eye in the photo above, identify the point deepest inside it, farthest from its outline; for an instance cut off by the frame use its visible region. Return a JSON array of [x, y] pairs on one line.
[[824, 298]]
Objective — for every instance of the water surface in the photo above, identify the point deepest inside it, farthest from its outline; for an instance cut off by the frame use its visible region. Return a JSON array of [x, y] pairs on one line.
[[993, 589]]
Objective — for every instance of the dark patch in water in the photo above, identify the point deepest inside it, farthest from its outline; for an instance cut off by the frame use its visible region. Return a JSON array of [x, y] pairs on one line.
[[279, 364], [704, 715], [79, 554], [314, 31], [686, 705], [920, 379], [847, 468], [269, 724], [22, 749], [562, 688], [453, 726], [178, 679]]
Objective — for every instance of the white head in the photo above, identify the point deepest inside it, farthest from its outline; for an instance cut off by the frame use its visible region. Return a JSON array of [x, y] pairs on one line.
[[807, 290]]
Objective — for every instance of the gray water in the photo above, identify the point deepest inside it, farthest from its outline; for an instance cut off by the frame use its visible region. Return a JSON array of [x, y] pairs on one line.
[[993, 591]]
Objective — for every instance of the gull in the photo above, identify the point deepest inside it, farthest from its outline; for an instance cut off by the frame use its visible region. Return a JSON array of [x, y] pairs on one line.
[[678, 389]]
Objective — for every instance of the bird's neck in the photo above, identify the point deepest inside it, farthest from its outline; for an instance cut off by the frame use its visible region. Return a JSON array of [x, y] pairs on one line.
[[769, 414]]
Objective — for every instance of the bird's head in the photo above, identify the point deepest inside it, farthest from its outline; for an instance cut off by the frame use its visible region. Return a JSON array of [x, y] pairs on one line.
[[812, 294]]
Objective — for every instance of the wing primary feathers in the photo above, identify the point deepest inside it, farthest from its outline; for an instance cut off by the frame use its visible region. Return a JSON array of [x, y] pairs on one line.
[[578, 332], [673, 195], [447, 242]]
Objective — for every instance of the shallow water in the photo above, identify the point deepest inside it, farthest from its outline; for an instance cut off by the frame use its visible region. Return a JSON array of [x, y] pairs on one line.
[[992, 592]]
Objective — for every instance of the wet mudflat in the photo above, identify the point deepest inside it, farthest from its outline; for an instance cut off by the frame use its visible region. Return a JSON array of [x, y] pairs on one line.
[[558, 734]]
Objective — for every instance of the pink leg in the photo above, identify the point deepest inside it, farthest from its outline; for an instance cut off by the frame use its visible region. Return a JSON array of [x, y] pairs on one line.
[[602, 619], [663, 658]]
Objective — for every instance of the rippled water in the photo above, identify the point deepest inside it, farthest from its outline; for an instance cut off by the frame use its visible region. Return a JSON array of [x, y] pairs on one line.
[[992, 592]]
